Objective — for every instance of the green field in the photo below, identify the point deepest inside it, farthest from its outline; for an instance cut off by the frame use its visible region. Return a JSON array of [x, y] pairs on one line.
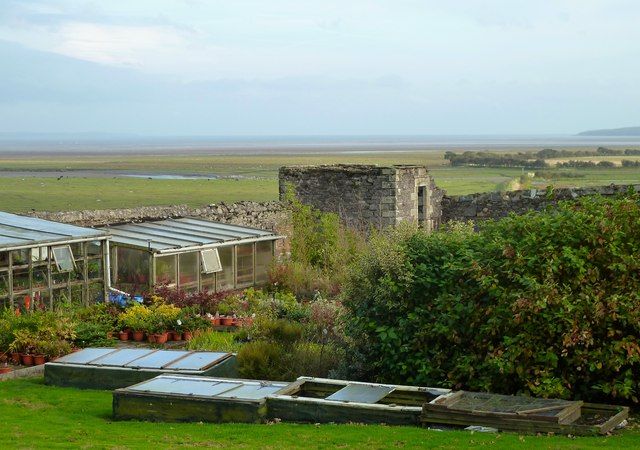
[[33, 415], [100, 182]]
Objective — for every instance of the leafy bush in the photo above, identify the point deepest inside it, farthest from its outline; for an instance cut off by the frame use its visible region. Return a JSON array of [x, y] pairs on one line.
[[261, 360], [206, 302], [92, 334], [135, 318], [545, 303], [215, 341], [321, 247], [281, 350]]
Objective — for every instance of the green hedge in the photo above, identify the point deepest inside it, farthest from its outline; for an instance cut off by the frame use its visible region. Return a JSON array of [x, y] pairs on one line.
[[546, 303]]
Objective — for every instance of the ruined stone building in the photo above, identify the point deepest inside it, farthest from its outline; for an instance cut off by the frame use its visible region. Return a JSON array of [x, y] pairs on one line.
[[367, 195]]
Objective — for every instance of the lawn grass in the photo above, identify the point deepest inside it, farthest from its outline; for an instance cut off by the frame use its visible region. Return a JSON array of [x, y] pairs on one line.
[[33, 415]]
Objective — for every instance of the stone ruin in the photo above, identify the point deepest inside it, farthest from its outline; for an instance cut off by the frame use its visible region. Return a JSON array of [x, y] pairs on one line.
[[367, 196]]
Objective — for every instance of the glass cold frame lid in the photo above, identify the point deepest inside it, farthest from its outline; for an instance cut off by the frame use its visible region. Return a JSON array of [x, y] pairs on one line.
[[85, 356], [197, 361], [143, 358], [122, 357], [207, 387], [157, 359], [361, 393]]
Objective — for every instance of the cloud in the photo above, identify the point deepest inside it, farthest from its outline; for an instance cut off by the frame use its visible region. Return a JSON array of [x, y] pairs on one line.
[[117, 44]]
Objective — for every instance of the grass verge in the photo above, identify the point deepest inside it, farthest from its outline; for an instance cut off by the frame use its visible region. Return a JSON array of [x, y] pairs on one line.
[[33, 415]]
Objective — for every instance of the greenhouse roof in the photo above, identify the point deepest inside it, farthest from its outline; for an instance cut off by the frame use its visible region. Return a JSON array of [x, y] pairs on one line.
[[184, 234], [20, 231]]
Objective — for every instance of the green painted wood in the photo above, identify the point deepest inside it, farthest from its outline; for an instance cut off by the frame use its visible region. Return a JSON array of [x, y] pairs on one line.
[[163, 408], [290, 410]]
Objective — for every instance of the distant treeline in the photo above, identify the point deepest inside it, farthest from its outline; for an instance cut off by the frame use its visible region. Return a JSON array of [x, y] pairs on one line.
[[537, 160]]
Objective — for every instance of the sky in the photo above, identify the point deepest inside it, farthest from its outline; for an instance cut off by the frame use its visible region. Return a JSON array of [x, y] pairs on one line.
[[330, 67]]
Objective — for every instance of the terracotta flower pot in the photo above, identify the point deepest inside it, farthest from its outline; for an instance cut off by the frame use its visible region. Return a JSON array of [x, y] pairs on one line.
[[227, 321], [15, 358], [26, 359], [151, 338], [216, 321], [138, 336], [38, 360], [176, 336], [161, 338], [187, 335], [5, 370], [123, 335]]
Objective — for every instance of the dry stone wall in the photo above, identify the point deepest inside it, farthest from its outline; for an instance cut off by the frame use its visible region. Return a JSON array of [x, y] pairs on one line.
[[266, 215], [494, 205]]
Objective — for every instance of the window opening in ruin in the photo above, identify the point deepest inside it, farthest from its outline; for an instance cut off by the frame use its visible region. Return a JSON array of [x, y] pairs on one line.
[[422, 207]]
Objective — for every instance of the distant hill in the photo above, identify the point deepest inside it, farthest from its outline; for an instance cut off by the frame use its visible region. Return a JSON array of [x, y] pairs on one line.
[[627, 131]]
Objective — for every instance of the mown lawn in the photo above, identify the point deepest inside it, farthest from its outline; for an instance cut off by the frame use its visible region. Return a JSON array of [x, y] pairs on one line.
[[33, 415]]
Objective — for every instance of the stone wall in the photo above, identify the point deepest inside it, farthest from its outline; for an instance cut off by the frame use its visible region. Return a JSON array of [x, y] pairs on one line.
[[363, 195], [268, 215], [494, 205]]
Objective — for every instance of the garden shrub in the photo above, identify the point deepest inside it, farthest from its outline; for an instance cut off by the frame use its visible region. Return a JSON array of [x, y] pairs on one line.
[[321, 247], [545, 303], [282, 350], [262, 360], [215, 341]]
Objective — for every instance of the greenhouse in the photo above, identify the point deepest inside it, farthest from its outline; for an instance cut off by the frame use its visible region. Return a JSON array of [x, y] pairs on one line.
[[189, 254], [44, 263]]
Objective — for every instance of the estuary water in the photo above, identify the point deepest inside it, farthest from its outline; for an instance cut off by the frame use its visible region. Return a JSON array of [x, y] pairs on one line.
[[294, 145]]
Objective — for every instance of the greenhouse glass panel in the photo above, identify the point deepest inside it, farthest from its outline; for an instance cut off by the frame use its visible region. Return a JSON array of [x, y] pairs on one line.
[[225, 278], [40, 277], [20, 279], [94, 248], [166, 270], [4, 282], [63, 258], [20, 257], [189, 267], [245, 265], [94, 268], [77, 249], [39, 254], [4, 259], [210, 260], [133, 269], [264, 256], [208, 281]]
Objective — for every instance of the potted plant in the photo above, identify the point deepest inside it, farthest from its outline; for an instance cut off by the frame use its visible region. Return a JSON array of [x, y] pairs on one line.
[[176, 332], [24, 343], [4, 368], [136, 318], [123, 335]]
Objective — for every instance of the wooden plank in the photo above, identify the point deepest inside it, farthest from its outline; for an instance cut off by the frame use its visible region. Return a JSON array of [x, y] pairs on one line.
[[616, 415], [290, 410], [157, 408]]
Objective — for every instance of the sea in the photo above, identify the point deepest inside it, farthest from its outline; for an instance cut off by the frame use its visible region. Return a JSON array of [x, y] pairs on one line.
[[20, 145]]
